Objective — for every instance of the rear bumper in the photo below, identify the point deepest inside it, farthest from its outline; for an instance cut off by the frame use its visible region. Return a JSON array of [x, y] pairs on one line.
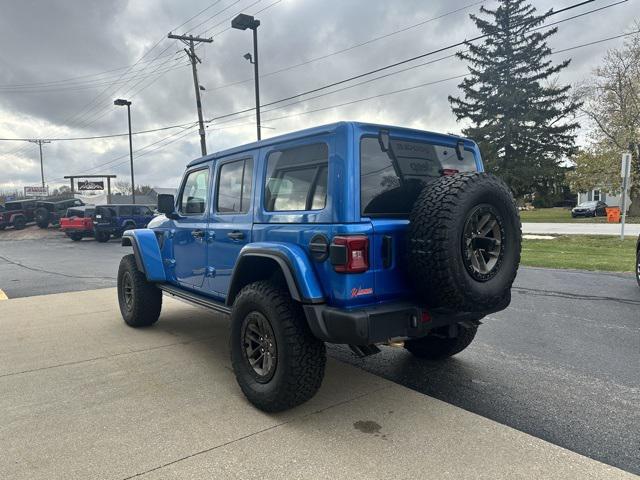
[[380, 323]]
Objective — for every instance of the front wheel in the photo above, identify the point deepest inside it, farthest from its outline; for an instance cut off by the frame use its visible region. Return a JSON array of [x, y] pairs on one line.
[[140, 301], [76, 237], [19, 223], [440, 344], [277, 361]]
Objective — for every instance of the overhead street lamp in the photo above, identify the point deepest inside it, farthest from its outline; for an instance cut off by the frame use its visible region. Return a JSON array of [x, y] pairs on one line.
[[243, 22], [121, 103]]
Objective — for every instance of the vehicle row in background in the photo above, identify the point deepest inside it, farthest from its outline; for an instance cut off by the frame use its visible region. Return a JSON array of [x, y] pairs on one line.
[[19, 213], [104, 221]]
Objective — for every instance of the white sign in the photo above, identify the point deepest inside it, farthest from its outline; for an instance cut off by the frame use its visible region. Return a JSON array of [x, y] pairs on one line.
[[625, 171], [36, 191]]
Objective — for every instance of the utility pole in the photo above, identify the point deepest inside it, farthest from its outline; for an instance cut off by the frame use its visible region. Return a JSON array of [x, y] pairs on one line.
[[40, 142], [190, 41]]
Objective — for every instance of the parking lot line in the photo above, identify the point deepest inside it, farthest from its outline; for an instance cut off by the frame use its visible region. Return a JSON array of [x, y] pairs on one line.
[[3, 296]]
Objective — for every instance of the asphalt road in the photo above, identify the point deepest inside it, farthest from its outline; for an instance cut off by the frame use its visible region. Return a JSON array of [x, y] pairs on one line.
[[561, 363]]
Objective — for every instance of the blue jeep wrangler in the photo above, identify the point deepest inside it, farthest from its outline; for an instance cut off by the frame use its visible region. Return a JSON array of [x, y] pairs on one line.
[[349, 233], [116, 219]]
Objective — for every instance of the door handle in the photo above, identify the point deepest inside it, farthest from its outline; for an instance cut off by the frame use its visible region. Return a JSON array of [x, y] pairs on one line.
[[197, 234], [236, 235]]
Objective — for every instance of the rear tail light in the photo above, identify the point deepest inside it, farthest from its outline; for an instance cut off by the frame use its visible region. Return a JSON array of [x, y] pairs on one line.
[[350, 254]]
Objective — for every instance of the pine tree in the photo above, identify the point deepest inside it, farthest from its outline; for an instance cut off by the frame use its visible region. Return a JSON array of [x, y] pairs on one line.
[[519, 115]]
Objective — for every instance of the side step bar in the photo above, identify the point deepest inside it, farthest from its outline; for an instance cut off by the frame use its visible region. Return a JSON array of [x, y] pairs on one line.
[[195, 298]]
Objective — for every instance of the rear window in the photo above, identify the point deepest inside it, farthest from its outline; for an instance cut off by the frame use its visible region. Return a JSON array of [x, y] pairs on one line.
[[297, 178], [391, 187]]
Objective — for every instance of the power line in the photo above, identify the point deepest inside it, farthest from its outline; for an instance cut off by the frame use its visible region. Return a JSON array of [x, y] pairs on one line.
[[402, 62], [352, 47]]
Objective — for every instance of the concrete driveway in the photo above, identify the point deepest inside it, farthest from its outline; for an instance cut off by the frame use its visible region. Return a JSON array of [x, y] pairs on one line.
[[83, 396], [632, 229]]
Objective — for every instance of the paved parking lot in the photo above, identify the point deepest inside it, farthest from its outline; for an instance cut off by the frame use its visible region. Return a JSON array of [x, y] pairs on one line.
[[560, 364], [83, 396]]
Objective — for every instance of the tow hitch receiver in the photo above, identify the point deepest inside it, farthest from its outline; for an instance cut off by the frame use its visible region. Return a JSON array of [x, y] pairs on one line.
[[362, 351]]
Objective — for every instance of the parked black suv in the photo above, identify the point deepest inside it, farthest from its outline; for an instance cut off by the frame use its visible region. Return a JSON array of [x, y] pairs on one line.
[[50, 212]]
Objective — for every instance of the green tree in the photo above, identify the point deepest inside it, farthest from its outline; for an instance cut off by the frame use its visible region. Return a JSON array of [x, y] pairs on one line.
[[519, 115], [612, 103]]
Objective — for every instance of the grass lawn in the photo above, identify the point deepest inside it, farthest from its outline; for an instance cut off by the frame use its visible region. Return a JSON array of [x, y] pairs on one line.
[[583, 252], [562, 215]]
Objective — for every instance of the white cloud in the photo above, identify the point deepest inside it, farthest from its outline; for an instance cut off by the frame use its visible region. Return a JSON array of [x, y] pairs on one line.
[[47, 42]]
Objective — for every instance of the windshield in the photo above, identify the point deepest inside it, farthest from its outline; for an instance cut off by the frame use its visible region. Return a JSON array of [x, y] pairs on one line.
[[390, 187], [588, 204]]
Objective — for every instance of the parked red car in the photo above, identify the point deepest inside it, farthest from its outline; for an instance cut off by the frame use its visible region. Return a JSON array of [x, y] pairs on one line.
[[78, 222]]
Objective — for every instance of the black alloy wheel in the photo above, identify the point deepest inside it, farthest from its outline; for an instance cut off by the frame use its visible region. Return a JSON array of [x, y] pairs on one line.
[[259, 343], [482, 242], [127, 291]]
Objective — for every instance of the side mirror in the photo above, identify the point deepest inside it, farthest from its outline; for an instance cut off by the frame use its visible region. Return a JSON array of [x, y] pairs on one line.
[[167, 204], [383, 140]]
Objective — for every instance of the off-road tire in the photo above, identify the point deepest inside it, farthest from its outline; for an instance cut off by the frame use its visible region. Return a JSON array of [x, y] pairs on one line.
[[42, 217], [638, 266], [146, 299], [19, 223], [300, 357], [437, 265], [438, 345], [102, 236]]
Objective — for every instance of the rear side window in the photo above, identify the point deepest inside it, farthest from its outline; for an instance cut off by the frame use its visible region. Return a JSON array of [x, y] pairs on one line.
[[141, 211], [125, 211], [234, 186], [389, 187], [195, 193], [297, 178]]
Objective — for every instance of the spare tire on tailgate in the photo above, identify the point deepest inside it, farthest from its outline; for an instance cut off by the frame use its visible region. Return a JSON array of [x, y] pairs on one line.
[[464, 243]]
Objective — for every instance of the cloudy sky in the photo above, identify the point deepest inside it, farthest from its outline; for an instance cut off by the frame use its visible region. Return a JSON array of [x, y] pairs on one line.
[[64, 61]]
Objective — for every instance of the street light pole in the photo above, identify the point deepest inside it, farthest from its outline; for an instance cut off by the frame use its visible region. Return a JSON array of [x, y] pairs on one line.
[[121, 102], [256, 78], [243, 22]]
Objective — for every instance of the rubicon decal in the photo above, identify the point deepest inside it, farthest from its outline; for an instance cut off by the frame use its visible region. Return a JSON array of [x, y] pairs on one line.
[[359, 291]]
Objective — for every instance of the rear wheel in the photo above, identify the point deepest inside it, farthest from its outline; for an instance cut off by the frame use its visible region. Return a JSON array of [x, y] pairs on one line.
[[102, 236], [42, 217], [140, 301], [76, 237], [19, 223], [277, 361], [440, 344]]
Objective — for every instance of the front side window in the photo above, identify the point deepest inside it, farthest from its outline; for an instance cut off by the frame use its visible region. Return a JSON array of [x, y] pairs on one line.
[[195, 193], [234, 186], [391, 182], [297, 178]]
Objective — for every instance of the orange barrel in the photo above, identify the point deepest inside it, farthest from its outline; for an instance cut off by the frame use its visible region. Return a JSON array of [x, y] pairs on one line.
[[613, 214]]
